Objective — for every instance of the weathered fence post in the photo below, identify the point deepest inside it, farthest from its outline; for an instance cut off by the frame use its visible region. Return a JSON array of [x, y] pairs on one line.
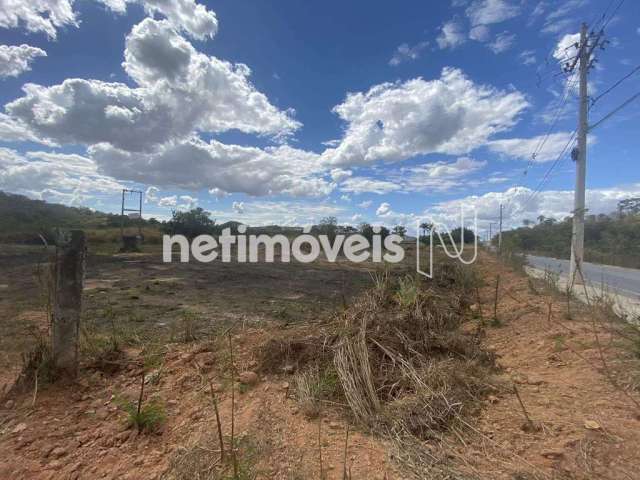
[[495, 302], [67, 301]]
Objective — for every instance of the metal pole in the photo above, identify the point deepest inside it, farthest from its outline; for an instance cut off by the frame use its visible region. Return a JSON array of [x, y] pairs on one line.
[[577, 237], [122, 216], [140, 216]]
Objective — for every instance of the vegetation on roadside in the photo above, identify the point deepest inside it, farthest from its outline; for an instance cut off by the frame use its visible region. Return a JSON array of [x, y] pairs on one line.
[[399, 359], [610, 239]]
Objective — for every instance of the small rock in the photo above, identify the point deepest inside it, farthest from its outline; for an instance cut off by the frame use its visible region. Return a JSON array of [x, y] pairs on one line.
[[248, 378], [9, 404], [535, 381], [474, 307], [492, 399], [591, 425], [55, 465], [58, 452], [553, 454], [21, 427], [23, 442]]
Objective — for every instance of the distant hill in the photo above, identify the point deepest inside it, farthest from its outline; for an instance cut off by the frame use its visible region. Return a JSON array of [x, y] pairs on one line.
[[22, 218]]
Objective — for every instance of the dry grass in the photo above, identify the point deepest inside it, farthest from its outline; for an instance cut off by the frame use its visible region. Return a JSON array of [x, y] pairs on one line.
[[406, 368], [198, 461]]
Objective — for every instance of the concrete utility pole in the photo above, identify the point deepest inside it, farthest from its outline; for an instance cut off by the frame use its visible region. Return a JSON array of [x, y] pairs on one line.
[[577, 237], [67, 301], [500, 233]]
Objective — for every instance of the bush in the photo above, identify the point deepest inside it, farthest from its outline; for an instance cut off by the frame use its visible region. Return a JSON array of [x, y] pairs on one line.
[[146, 417]]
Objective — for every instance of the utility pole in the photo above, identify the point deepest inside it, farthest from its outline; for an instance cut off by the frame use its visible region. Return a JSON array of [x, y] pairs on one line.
[[500, 234], [580, 157], [490, 232]]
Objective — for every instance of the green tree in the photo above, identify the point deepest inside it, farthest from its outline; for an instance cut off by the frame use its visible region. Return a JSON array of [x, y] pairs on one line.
[[328, 226], [629, 206], [400, 230], [367, 231], [191, 223]]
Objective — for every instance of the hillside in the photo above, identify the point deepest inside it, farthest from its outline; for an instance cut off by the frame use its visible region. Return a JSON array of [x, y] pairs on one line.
[[20, 215]]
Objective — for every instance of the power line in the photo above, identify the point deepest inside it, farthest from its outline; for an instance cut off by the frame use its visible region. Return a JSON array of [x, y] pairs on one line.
[[547, 176], [602, 17], [584, 52], [613, 14], [561, 104], [538, 149], [584, 49], [614, 111], [612, 87]]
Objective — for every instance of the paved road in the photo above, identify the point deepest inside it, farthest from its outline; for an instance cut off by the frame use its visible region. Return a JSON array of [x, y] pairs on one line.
[[625, 281]]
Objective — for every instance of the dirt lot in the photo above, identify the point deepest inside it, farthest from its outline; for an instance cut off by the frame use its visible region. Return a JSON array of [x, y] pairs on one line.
[[150, 299], [575, 414]]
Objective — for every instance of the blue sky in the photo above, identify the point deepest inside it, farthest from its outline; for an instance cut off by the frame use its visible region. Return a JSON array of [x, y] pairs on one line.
[[288, 111]]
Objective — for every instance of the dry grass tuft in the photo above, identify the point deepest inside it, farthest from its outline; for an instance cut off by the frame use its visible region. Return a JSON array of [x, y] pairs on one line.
[[198, 461], [295, 352]]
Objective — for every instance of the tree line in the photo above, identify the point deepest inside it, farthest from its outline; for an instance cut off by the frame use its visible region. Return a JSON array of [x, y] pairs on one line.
[[612, 239]]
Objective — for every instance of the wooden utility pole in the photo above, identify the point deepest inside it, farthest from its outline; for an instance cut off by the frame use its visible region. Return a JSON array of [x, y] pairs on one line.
[[67, 301]]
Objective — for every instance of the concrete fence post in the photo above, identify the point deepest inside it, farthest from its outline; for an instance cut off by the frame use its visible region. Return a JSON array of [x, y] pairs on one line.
[[67, 300]]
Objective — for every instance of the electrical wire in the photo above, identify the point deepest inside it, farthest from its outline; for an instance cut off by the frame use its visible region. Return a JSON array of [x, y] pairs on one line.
[[538, 149], [547, 175], [613, 14], [615, 85], [614, 111]]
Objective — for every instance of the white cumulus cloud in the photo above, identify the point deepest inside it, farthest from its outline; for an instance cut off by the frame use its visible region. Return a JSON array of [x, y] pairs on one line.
[[451, 35], [67, 174], [48, 16], [383, 209], [195, 164], [16, 59], [368, 185], [37, 15], [180, 91], [396, 121]]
